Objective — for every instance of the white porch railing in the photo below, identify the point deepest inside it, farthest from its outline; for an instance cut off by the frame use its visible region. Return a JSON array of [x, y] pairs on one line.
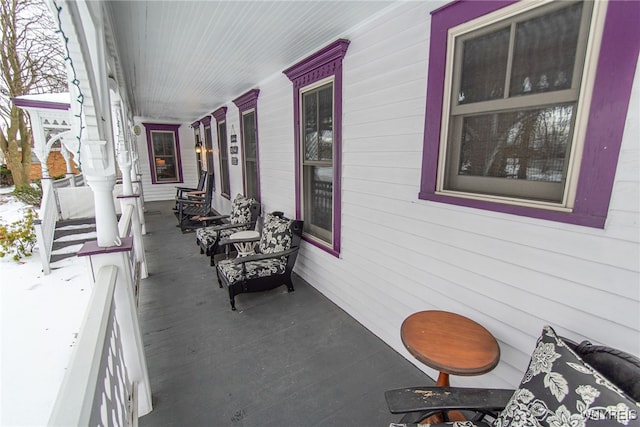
[[96, 389], [45, 226]]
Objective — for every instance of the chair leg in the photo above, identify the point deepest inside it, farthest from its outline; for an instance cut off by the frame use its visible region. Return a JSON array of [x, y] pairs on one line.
[[290, 285], [232, 298]]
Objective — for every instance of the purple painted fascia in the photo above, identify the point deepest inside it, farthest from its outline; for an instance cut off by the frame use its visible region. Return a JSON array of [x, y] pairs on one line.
[[609, 107], [163, 127], [30, 103], [246, 102], [195, 124], [206, 121], [220, 114], [324, 63]]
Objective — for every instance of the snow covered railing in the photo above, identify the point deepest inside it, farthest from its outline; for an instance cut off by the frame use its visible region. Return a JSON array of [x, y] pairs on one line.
[[45, 226], [96, 389]]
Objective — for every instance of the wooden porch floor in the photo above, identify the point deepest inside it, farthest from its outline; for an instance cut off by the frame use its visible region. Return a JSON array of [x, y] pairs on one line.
[[280, 360]]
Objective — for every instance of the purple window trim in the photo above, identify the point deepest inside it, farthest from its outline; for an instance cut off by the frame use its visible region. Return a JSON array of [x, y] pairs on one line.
[[244, 103], [322, 64], [609, 107], [221, 116], [149, 127], [206, 121], [195, 124]]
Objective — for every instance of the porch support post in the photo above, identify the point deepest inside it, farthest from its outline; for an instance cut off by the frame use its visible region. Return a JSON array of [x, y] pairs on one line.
[[126, 313], [106, 220]]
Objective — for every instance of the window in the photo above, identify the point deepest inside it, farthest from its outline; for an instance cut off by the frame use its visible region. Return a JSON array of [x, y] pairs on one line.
[[247, 107], [208, 148], [220, 114], [317, 85], [199, 148], [514, 128], [164, 153]]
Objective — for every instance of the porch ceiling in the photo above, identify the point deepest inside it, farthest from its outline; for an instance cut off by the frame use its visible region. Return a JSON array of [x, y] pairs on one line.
[[182, 59]]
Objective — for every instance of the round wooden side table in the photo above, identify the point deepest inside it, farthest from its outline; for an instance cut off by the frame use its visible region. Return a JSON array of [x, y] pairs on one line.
[[450, 343]]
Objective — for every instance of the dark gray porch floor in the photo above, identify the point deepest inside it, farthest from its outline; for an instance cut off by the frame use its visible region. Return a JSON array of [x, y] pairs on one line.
[[283, 359]]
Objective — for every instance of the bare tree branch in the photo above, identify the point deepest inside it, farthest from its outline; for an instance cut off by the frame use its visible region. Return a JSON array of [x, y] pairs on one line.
[[31, 61]]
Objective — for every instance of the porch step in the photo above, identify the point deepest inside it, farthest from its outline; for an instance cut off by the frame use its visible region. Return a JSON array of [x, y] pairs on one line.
[[69, 237]]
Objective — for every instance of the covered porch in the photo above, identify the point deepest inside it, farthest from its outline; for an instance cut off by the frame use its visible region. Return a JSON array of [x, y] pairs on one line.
[[281, 359], [350, 96]]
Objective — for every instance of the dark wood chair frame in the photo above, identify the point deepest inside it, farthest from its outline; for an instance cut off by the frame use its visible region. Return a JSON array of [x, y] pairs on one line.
[[182, 191], [215, 248], [259, 284], [193, 206], [418, 403]]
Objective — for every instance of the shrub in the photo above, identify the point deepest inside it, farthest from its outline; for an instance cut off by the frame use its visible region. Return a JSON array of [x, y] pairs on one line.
[[29, 194], [6, 179], [19, 237]]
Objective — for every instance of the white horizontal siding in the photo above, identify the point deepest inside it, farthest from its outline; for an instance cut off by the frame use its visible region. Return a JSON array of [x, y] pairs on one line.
[[401, 255]]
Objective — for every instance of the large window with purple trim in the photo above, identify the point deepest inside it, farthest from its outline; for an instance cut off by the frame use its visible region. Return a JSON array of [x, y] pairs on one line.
[[248, 109], [317, 83], [516, 107], [225, 185], [164, 153]]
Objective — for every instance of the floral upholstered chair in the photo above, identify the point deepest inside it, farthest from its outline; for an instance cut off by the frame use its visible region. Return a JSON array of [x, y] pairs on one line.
[[272, 263], [566, 384], [244, 213]]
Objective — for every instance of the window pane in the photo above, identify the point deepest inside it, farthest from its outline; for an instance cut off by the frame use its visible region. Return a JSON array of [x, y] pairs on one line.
[[251, 169], [484, 67], [545, 52], [317, 108], [166, 167], [249, 135], [224, 159], [250, 154], [527, 145], [318, 204]]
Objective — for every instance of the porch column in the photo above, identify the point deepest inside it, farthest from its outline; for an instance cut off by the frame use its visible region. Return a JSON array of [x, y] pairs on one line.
[[98, 164], [67, 160]]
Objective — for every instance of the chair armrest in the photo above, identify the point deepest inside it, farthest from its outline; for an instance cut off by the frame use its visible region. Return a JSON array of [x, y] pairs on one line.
[[186, 189], [229, 240], [416, 399], [258, 257], [214, 218]]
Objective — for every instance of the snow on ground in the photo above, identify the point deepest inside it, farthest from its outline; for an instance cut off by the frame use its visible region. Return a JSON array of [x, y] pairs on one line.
[[40, 316]]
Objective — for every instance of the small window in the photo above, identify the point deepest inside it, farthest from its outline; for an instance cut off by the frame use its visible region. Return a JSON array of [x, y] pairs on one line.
[[317, 85], [519, 104], [220, 115], [248, 109], [164, 153]]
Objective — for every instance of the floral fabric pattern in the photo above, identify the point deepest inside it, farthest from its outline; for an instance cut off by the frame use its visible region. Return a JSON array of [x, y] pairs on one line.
[[559, 390], [240, 212], [260, 268], [240, 215], [276, 235]]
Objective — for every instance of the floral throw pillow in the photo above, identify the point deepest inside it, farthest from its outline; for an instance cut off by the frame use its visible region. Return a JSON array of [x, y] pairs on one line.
[[276, 234], [559, 389]]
